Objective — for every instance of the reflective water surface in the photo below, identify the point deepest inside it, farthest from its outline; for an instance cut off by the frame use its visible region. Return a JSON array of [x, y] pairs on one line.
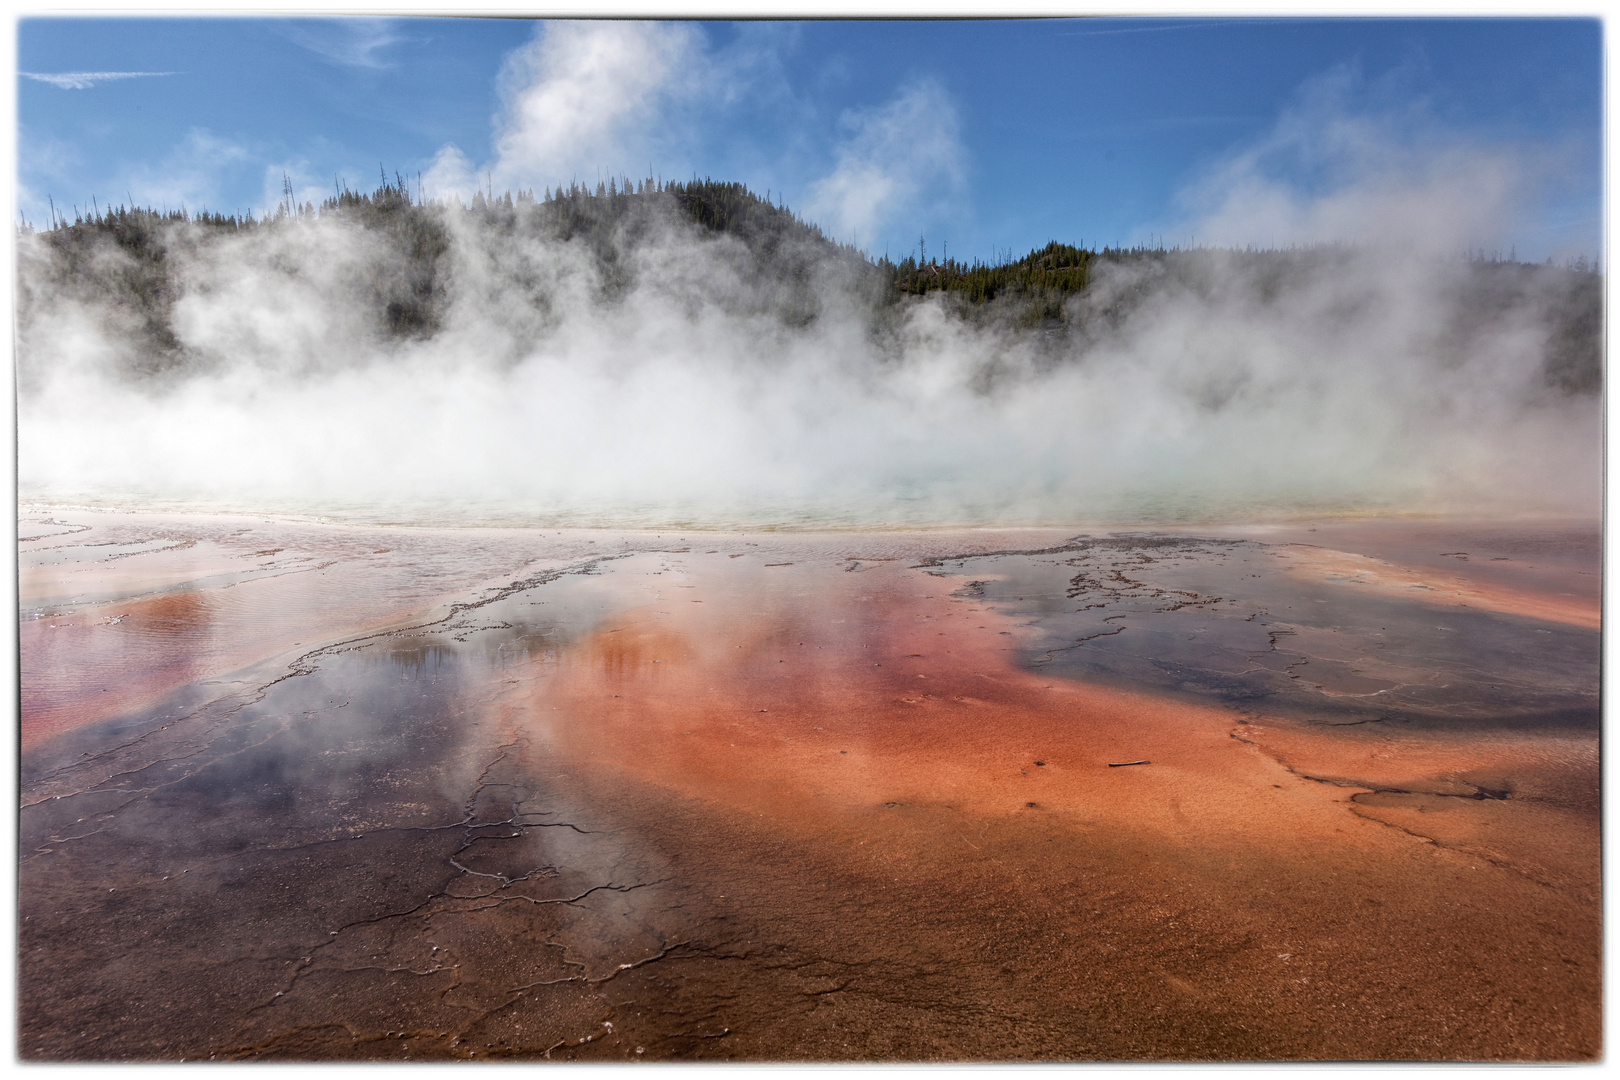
[[294, 790]]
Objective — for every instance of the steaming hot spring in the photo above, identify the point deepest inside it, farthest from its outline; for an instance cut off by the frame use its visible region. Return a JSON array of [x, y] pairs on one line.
[[624, 623]]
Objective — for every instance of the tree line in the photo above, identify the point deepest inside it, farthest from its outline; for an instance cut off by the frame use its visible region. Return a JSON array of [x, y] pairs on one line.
[[788, 261]]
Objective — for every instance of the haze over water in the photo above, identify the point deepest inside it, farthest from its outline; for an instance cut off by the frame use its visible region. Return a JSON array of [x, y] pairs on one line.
[[696, 389]]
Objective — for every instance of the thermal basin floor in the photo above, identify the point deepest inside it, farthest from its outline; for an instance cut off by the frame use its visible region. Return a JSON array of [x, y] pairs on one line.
[[305, 791]]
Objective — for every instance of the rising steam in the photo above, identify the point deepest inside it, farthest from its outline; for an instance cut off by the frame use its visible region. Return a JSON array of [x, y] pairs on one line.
[[660, 371]]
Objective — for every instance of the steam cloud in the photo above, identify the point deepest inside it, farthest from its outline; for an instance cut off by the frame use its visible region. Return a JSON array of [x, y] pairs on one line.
[[667, 384], [908, 146], [580, 94]]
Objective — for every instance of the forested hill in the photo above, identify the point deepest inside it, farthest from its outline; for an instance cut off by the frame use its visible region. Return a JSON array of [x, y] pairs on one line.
[[407, 259], [133, 256]]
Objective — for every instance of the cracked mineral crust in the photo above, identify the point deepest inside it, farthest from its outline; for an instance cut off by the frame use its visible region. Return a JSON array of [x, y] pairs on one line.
[[314, 792]]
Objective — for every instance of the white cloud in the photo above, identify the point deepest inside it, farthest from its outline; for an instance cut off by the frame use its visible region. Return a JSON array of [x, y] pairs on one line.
[[188, 176], [1333, 170], [590, 98], [84, 80], [352, 42], [590, 95], [906, 156]]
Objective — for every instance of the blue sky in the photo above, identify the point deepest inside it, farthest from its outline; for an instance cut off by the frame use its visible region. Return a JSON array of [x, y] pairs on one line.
[[984, 136]]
